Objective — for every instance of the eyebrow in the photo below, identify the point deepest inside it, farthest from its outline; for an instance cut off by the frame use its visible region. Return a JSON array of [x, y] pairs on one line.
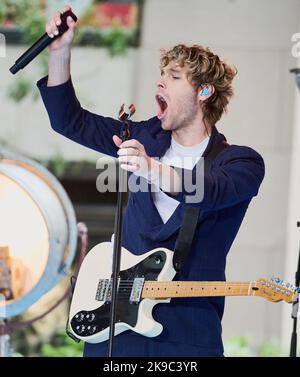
[[175, 70]]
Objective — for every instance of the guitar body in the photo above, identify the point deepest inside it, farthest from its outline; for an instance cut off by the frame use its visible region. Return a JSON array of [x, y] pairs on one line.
[[144, 281], [89, 317]]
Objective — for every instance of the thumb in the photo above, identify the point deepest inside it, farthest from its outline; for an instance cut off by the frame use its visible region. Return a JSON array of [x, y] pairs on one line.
[[71, 23], [117, 140]]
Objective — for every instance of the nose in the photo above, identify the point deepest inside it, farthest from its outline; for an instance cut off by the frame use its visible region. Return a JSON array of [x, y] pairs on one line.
[[160, 83]]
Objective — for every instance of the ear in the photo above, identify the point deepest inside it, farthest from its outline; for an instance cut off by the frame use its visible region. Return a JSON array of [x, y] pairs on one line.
[[205, 91]]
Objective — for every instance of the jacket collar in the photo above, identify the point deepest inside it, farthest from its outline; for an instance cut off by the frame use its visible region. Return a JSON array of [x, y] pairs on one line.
[[215, 138]]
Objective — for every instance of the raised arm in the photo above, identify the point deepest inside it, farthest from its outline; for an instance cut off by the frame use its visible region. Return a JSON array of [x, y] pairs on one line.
[[60, 49], [66, 115]]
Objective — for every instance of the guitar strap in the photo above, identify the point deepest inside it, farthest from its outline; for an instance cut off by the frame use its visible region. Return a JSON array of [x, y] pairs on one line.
[[186, 234]]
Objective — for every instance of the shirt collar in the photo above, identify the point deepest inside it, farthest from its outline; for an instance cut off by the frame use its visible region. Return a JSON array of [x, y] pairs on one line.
[[156, 140]]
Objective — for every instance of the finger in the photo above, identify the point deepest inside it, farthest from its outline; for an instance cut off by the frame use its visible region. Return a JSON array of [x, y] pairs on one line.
[[117, 140], [48, 29], [131, 143], [53, 27], [132, 168], [57, 19], [132, 160], [71, 23], [128, 152]]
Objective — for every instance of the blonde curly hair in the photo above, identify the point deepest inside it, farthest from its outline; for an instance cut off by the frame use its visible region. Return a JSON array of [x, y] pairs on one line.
[[204, 67]]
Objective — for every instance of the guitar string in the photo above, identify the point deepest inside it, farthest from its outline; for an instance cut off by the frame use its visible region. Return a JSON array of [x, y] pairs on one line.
[[128, 288], [182, 281], [126, 292], [128, 284], [173, 282]]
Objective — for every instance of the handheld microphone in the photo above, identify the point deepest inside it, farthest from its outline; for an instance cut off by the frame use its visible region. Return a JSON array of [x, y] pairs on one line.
[[41, 44]]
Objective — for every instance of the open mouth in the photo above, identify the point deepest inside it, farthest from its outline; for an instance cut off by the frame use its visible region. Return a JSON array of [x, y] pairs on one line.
[[162, 104]]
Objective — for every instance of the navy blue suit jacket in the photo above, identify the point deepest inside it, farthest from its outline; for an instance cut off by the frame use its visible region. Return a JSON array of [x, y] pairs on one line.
[[192, 326]]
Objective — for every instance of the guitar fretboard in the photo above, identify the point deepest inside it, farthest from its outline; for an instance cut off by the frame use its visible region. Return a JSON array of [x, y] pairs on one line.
[[170, 289]]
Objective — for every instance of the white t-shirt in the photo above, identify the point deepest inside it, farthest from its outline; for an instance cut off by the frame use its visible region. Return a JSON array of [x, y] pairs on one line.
[[182, 157]]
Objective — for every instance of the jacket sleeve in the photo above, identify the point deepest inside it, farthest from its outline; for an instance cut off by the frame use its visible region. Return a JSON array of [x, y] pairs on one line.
[[68, 118], [235, 176]]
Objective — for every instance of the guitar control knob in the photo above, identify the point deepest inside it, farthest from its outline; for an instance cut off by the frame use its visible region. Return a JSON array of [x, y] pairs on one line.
[[90, 317], [79, 317], [91, 329], [80, 329]]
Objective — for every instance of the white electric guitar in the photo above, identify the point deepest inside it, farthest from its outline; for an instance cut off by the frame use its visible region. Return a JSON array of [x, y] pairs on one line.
[[144, 281]]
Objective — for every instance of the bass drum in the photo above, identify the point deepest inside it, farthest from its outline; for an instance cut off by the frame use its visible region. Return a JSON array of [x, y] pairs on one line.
[[38, 233]]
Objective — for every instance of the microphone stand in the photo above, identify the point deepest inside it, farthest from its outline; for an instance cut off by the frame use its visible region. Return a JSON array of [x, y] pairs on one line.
[[117, 243], [295, 308]]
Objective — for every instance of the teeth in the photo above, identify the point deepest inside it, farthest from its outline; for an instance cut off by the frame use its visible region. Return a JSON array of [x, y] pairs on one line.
[[161, 99]]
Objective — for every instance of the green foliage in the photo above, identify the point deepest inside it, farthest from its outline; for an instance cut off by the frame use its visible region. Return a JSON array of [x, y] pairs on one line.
[[16, 10], [88, 37], [117, 40], [33, 26], [29, 16], [62, 346], [24, 14], [59, 165], [238, 347], [242, 346], [2, 11], [272, 349], [20, 89]]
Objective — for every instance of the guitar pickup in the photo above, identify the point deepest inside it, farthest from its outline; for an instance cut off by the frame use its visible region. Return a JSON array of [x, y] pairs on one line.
[[104, 290], [136, 290]]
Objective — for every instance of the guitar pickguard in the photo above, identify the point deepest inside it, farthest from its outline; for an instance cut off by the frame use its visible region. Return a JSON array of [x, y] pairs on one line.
[[87, 323]]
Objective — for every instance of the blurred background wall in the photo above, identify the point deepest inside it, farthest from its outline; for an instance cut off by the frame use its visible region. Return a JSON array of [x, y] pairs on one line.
[[254, 35]]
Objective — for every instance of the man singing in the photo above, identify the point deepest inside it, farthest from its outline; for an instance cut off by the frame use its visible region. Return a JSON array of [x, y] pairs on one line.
[[193, 92]]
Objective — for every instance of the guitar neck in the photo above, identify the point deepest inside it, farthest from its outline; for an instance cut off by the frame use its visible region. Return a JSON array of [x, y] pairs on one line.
[[172, 289]]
